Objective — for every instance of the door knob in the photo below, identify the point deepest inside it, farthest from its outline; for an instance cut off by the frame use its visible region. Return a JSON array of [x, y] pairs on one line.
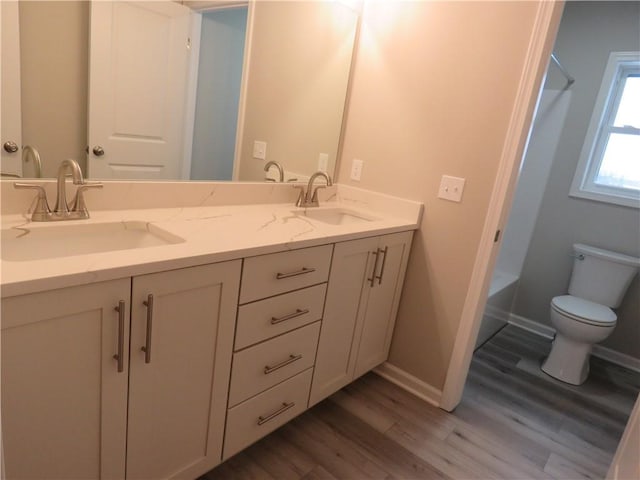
[[98, 151], [10, 147]]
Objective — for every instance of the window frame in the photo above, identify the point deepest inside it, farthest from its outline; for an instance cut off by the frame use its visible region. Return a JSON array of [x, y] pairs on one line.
[[619, 66]]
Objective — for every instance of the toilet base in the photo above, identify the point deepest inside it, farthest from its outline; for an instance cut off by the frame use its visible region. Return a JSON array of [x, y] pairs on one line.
[[568, 360]]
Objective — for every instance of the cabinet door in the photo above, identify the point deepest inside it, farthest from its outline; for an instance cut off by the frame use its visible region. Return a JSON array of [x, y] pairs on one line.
[[178, 387], [352, 265], [64, 403], [383, 300]]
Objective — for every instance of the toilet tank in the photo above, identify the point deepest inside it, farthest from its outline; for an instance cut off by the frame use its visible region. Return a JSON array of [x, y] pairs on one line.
[[600, 275]]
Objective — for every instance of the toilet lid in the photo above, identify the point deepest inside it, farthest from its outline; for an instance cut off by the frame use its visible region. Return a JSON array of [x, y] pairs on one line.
[[584, 310]]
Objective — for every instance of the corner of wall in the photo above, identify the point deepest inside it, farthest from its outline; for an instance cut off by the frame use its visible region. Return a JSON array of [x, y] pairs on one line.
[[408, 382]]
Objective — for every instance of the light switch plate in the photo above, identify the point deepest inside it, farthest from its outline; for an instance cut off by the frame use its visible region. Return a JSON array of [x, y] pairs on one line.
[[260, 150], [451, 188], [356, 169]]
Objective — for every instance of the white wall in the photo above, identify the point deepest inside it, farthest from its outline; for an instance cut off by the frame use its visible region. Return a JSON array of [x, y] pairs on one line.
[[54, 43], [588, 32], [433, 91], [298, 75]]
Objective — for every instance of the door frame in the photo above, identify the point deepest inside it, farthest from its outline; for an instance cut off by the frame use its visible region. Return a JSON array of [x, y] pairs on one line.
[[537, 58]]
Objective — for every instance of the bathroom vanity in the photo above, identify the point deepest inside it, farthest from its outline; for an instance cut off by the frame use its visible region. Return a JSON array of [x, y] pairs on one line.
[[161, 361]]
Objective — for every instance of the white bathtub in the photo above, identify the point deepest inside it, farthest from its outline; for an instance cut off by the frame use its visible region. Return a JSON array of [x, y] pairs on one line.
[[496, 314]]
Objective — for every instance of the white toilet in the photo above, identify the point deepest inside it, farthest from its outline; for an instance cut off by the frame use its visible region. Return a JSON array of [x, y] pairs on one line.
[[599, 280]]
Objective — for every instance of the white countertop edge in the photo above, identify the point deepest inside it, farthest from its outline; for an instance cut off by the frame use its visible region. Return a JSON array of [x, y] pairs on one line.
[[212, 234]]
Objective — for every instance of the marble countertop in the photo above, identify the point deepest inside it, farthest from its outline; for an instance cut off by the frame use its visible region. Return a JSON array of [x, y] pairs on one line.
[[210, 233]]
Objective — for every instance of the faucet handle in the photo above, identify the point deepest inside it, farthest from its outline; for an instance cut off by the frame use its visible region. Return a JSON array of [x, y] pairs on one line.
[[41, 210], [79, 204]]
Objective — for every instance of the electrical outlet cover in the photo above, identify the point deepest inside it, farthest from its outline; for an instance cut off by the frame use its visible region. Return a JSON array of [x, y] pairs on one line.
[[356, 169]]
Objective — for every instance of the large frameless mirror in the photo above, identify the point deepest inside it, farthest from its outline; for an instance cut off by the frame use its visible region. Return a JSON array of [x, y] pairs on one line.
[[162, 90]]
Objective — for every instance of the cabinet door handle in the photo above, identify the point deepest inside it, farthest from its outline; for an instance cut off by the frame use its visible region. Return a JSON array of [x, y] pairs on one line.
[[375, 267], [147, 347], [280, 411], [384, 262], [292, 358], [120, 355], [297, 313], [304, 270]]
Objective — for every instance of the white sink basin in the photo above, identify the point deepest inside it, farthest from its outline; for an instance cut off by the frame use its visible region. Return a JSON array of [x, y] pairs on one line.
[[37, 242], [335, 216]]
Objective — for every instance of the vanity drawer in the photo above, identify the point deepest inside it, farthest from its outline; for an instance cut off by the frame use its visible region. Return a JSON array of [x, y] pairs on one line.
[[268, 275], [262, 414], [264, 365], [273, 316]]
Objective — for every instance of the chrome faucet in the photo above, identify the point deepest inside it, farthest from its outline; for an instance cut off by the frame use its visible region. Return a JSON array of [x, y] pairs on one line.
[[42, 212], [62, 208], [272, 163], [310, 197]]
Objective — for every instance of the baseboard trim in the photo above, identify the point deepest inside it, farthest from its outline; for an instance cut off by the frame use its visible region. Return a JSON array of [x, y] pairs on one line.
[[599, 351], [618, 358], [411, 384], [531, 326]]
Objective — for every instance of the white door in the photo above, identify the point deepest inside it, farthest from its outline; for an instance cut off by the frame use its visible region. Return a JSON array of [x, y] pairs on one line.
[[178, 385], [64, 397], [347, 294], [10, 102], [383, 300], [138, 72]]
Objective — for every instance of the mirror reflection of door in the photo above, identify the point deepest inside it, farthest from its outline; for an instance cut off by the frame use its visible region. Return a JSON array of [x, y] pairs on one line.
[[138, 73]]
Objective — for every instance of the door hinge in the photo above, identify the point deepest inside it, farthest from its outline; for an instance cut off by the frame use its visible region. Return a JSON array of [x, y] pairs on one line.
[[497, 236]]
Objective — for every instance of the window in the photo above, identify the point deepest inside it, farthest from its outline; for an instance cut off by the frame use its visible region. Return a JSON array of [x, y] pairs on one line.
[[609, 166]]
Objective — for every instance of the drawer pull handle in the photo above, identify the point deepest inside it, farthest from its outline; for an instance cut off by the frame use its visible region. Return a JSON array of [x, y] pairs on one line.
[[120, 355], [372, 280], [384, 262], [280, 411], [292, 358], [147, 344], [304, 270], [297, 313]]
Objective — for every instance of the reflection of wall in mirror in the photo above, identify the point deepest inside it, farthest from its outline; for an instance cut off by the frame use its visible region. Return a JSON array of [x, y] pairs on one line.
[[219, 76], [290, 58], [54, 46]]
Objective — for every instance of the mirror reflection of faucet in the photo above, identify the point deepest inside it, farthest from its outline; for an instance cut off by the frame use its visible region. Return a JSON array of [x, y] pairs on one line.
[[270, 164], [30, 152], [43, 213]]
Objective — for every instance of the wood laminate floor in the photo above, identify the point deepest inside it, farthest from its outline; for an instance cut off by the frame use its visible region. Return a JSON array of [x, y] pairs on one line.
[[514, 422]]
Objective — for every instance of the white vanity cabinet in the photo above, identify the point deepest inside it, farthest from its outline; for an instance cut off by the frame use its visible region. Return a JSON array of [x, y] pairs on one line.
[[270, 379], [362, 301], [165, 375], [64, 403], [67, 410], [178, 384]]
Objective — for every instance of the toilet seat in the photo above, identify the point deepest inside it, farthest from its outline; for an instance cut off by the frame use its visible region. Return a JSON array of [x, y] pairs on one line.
[[584, 311]]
